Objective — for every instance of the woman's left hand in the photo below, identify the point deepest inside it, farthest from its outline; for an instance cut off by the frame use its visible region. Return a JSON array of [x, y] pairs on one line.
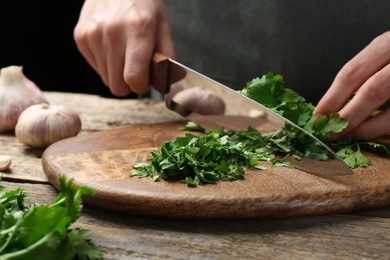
[[361, 87]]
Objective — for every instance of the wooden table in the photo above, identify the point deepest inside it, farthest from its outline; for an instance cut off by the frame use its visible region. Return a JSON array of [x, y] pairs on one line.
[[355, 235]]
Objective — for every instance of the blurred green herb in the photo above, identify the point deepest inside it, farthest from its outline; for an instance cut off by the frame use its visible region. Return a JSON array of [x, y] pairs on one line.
[[42, 231]]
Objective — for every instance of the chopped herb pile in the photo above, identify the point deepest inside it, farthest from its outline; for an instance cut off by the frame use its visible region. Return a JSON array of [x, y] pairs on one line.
[[42, 231], [221, 154], [207, 158]]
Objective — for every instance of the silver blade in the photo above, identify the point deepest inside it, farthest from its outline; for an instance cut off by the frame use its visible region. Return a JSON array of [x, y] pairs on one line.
[[212, 105]]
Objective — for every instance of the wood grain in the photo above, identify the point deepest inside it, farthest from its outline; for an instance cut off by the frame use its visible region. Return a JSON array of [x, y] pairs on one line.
[[124, 236], [103, 160]]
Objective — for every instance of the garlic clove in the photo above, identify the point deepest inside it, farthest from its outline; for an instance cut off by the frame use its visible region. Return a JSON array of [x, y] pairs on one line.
[[17, 92], [5, 162], [200, 100], [43, 124]]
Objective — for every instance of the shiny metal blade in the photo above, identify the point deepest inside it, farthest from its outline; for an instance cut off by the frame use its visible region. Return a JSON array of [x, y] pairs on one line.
[[213, 105]]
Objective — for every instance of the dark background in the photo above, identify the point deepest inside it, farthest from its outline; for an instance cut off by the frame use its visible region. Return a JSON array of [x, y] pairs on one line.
[[231, 41], [306, 41], [38, 35]]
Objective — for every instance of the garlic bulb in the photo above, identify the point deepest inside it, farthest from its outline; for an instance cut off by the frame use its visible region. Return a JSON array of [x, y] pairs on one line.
[[42, 124], [17, 92]]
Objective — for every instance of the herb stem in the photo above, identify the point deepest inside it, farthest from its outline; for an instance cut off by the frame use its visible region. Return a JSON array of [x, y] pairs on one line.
[[14, 228]]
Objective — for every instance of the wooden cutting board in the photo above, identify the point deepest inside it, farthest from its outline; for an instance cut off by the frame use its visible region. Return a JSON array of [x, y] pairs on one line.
[[102, 161]]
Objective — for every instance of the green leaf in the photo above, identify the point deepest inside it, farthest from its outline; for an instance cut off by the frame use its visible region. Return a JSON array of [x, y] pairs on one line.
[[71, 245], [84, 249], [70, 197], [265, 89], [353, 157], [192, 126], [377, 147], [38, 221], [42, 231], [50, 246], [325, 126]]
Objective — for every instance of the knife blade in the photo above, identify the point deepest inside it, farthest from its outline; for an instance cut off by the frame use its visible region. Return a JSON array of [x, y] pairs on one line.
[[213, 105]]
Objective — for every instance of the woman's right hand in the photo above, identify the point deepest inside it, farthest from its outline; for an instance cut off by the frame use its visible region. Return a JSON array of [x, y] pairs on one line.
[[118, 39]]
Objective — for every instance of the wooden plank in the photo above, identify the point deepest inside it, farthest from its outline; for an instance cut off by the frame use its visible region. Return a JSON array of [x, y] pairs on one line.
[[123, 236]]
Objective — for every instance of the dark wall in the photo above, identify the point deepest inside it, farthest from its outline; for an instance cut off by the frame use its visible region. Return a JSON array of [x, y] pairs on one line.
[[231, 41], [304, 40], [38, 35]]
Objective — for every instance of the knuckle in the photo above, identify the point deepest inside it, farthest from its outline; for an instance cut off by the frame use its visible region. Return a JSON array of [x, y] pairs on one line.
[[120, 91], [81, 35], [138, 24], [112, 29], [376, 90], [130, 78], [77, 34], [384, 37], [91, 33], [140, 20], [136, 82], [349, 72]]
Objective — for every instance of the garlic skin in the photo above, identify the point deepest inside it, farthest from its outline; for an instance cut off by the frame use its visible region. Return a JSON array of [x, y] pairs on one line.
[[5, 162], [200, 100], [43, 124], [17, 92]]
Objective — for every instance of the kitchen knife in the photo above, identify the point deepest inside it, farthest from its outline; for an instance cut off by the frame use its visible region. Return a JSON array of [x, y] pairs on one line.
[[212, 105]]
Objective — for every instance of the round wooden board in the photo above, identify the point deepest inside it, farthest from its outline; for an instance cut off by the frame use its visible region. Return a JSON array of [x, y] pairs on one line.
[[102, 161]]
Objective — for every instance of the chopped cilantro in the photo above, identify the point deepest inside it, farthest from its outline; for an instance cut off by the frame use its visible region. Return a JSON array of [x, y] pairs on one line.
[[206, 158]]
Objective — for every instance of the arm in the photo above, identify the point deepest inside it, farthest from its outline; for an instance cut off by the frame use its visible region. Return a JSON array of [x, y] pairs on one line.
[[367, 78], [118, 38]]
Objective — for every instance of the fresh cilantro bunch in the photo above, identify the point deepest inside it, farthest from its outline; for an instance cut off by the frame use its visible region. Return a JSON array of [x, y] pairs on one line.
[[42, 231], [269, 90]]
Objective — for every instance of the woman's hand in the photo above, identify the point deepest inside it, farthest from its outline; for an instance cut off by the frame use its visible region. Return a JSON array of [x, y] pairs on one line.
[[367, 76], [118, 38]]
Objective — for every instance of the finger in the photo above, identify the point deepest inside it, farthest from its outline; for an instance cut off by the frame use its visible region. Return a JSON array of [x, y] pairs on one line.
[[95, 39], [139, 51], [81, 41], [373, 93], [115, 48], [365, 64], [164, 38], [374, 127]]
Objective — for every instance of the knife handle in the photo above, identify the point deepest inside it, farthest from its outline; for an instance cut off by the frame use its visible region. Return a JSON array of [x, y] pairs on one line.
[[159, 73]]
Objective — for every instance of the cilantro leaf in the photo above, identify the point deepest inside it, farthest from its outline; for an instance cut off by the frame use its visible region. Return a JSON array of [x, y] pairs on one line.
[[42, 231], [265, 89], [324, 126], [354, 157]]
